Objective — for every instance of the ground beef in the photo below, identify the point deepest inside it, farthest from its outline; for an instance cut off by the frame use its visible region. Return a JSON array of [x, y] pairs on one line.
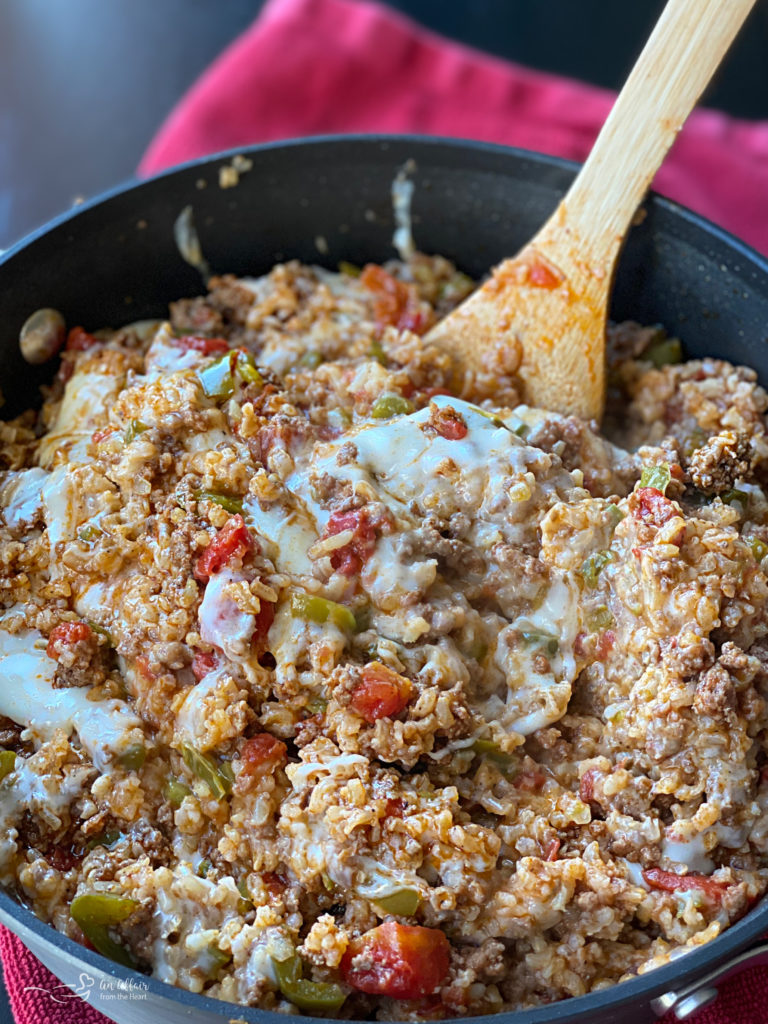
[[456, 555], [715, 693], [82, 661], [10, 734], [196, 316], [724, 459]]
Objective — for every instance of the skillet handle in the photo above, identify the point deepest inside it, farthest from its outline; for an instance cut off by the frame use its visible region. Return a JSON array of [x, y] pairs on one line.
[[687, 1002]]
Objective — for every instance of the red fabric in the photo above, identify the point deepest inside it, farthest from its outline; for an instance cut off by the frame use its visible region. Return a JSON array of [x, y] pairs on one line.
[[318, 66], [35, 995], [309, 67]]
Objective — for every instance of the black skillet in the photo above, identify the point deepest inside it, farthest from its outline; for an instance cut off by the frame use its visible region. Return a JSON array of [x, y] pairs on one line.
[[323, 200]]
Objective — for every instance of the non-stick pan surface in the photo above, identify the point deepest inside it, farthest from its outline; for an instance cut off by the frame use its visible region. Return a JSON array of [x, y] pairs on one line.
[[114, 260]]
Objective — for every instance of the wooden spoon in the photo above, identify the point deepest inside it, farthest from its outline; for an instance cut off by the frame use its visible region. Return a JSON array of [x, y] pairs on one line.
[[545, 310]]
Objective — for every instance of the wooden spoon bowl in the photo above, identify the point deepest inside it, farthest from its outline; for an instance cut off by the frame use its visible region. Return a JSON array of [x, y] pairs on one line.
[[544, 312]]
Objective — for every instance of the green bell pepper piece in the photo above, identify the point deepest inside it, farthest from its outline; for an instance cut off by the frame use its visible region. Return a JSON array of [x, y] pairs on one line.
[[378, 353], [316, 705], [550, 643], [213, 960], [664, 352], [206, 769], [133, 757], [217, 379], [320, 609], [490, 751], [306, 995], [105, 839], [656, 476], [7, 763], [615, 515], [135, 427], [246, 369], [591, 567], [350, 269], [402, 902], [95, 913], [600, 618], [311, 359], [387, 406], [734, 496], [175, 792], [88, 533], [229, 502]]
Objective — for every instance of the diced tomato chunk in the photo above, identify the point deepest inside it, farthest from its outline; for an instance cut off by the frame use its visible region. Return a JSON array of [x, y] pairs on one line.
[[260, 756], [652, 507], [79, 340], [553, 848], [448, 423], [396, 303], [231, 542], [530, 782], [416, 320], [142, 667], [668, 881], [101, 435], [275, 883], [397, 960], [541, 275], [395, 807], [67, 635], [203, 663], [197, 343], [587, 785], [62, 857], [264, 620], [452, 429], [381, 693], [604, 645], [350, 559]]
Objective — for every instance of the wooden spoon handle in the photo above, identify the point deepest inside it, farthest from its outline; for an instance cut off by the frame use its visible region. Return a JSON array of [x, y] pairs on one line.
[[689, 41]]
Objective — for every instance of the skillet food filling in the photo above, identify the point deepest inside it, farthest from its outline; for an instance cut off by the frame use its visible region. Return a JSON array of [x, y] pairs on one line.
[[326, 691]]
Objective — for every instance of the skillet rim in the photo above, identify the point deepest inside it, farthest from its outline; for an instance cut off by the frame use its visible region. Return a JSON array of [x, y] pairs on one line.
[[21, 920]]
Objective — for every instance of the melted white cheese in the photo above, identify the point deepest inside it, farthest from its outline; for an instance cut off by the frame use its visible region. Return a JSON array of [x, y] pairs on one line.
[[288, 533], [86, 396], [27, 697], [21, 496], [407, 464], [222, 623], [191, 716], [341, 765], [59, 506], [389, 578], [535, 698], [415, 470], [691, 852], [377, 882], [635, 872], [290, 641], [165, 356]]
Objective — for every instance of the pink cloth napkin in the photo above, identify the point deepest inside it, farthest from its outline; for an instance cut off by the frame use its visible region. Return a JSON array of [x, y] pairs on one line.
[[309, 67]]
